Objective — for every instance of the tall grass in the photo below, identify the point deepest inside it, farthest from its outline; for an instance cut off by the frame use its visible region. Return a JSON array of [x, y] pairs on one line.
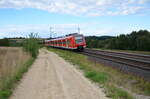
[[13, 60], [31, 45]]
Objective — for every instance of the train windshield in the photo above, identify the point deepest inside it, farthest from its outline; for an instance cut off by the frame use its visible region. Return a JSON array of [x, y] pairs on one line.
[[78, 39]]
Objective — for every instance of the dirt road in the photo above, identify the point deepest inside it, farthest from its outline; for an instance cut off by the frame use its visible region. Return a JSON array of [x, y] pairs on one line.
[[51, 77]]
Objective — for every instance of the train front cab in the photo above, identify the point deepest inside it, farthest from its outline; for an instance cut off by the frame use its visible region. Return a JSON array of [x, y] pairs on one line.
[[80, 42]]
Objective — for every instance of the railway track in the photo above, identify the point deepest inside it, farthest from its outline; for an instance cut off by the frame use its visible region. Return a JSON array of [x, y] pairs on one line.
[[135, 61]]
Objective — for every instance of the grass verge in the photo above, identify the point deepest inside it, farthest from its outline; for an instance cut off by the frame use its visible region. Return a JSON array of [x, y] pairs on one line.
[[113, 81], [10, 83]]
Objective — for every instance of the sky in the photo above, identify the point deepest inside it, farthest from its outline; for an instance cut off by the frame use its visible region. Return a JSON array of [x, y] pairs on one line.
[[18, 18]]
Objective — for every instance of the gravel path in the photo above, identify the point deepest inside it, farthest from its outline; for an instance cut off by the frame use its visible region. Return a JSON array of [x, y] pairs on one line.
[[51, 77]]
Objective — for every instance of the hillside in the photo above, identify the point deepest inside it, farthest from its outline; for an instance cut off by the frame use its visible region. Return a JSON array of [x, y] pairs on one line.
[[94, 41], [136, 40]]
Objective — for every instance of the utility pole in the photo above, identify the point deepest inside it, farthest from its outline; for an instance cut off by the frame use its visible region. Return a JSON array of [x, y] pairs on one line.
[[78, 29], [50, 29]]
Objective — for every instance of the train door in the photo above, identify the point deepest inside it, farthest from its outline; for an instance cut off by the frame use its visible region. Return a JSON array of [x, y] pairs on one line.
[[74, 43], [66, 43], [71, 43]]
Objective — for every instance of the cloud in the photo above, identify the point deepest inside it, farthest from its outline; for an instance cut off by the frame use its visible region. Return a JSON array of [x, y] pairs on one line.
[[81, 7], [144, 1], [63, 29], [42, 30], [57, 30]]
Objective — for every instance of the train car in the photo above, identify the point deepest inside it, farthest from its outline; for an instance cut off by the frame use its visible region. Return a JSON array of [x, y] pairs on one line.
[[72, 41]]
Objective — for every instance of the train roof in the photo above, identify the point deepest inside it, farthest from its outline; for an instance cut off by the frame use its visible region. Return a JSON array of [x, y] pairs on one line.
[[64, 37]]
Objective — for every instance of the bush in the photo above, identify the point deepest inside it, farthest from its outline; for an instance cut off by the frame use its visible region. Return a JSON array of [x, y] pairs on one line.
[[31, 45], [100, 77]]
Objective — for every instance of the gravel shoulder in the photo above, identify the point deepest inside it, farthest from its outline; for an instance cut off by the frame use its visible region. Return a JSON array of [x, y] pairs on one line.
[[51, 77]]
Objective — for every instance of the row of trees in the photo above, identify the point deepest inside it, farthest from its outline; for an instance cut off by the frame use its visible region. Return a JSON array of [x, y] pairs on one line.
[[11, 42], [30, 44], [97, 42], [4, 42], [137, 40]]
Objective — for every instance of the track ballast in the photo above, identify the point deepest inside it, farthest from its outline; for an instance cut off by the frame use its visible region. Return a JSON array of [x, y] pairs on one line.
[[137, 64]]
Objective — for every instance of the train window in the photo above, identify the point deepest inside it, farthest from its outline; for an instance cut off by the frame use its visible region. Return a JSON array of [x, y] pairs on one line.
[[68, 42], [63, 42], [60, 42], [79, 39]]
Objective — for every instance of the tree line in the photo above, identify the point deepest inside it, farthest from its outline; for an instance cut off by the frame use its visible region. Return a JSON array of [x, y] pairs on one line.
[[4, 42], [136, 40], [29, 44]]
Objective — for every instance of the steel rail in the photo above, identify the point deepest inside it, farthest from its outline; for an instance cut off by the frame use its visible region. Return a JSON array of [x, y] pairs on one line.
[[124, 54], [137, 63]]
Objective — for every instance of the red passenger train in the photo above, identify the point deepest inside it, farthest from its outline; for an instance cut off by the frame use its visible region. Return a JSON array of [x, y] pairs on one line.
[[72, 41]]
